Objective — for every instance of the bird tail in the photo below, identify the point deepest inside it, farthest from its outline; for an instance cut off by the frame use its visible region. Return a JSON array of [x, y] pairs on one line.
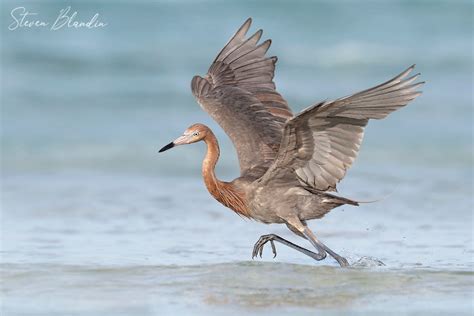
[[373, 201], [339, 200], [349, 201]]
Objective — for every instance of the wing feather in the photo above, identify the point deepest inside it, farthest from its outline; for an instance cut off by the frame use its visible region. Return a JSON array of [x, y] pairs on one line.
[[238, 92], [320, 144]]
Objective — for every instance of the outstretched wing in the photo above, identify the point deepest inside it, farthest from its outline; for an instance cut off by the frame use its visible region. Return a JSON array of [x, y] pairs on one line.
[[321, 143], [238, 93]]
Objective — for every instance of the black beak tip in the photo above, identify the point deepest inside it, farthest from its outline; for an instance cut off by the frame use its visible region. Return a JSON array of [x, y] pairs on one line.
[[169, 146]]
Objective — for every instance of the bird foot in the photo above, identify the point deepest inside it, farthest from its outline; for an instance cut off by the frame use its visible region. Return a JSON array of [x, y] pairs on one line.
[[342, 261], [259, 245]]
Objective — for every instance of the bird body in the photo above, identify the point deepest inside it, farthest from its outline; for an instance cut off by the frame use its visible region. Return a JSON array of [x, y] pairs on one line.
[[248, 197], [274, 204], [289, 163]]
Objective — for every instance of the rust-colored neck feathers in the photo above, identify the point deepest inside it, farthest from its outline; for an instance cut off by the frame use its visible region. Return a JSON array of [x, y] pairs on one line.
[[224, 192]]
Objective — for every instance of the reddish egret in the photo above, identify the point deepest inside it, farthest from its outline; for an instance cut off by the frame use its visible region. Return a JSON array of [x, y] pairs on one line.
[[288, 163]]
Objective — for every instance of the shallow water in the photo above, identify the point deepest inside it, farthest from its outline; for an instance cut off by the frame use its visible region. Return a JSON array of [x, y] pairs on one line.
[[94, 222], [275, 288], [131, 245]]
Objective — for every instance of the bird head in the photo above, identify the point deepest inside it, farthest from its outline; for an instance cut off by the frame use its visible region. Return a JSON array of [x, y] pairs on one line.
[[192, 134]]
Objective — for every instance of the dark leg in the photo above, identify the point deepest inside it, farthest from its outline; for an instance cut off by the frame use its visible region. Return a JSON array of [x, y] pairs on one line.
[[258, 248], [300, 228], [319, 245], [295, 230]]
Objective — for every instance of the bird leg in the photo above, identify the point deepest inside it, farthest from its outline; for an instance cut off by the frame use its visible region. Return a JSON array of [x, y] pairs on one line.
[[319, 245], [259, 245], [300, 228]]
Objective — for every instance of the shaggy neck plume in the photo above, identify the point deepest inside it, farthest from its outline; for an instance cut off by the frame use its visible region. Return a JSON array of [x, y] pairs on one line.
[[224, 192]]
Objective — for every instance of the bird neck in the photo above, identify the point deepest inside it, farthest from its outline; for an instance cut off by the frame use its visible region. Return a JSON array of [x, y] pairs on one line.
[[210, 161], [224, 192]]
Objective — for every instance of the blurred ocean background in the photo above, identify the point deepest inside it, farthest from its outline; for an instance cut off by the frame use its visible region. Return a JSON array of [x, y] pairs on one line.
[[95, 222]]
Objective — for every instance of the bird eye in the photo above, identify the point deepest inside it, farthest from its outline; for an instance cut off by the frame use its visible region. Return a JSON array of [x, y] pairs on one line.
[[196, 134]]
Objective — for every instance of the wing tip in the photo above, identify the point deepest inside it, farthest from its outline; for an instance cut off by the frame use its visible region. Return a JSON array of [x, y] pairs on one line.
[[267, 43], [405, 73], [257, 35], [246, 24], [243, 29]]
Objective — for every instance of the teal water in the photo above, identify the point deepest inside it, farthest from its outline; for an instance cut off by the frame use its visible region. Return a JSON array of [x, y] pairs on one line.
[[95, 222]]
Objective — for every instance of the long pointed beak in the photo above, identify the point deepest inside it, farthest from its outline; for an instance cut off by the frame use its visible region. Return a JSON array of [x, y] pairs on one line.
[[178, 141], [169, 146]]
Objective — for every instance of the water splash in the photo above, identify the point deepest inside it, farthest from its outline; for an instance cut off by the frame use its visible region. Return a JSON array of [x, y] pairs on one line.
[[368, 262]]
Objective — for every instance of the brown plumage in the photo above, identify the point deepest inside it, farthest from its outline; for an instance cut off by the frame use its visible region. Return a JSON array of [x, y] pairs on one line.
[[224, 192], [287, 163]]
